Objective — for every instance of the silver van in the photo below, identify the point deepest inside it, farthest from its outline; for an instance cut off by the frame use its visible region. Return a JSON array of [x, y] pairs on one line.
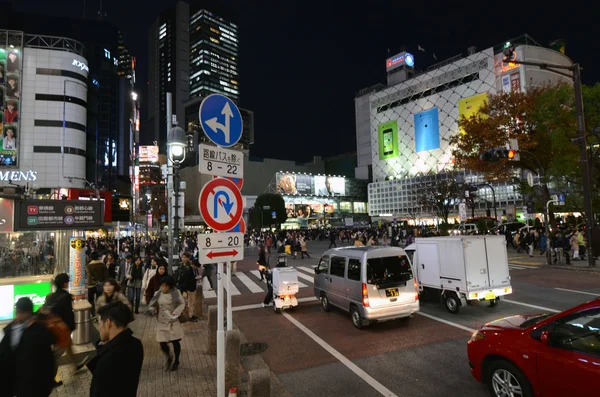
[[372, 283]]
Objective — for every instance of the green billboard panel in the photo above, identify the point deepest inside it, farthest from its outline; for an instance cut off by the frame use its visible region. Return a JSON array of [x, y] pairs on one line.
[[388, 140]]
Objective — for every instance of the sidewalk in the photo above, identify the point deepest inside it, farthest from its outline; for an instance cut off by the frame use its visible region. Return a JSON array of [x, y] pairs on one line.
[[523, 258], [196, 375]]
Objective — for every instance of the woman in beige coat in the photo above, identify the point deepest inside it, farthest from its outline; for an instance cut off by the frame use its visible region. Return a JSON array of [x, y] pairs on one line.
[[168, 304]]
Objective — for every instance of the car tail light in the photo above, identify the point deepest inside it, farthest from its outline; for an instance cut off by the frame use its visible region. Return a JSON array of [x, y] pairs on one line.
[[416, 289], [365, 295]]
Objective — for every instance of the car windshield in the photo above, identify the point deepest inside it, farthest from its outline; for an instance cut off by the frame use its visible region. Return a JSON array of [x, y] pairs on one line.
[[389, 270], [534, 320]]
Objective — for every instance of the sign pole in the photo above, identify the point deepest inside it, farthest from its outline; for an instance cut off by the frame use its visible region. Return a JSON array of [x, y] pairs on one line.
[[229, 308], [220, 333]]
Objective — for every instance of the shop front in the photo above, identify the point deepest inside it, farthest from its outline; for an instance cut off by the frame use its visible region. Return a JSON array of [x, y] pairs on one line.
[[38, 239]]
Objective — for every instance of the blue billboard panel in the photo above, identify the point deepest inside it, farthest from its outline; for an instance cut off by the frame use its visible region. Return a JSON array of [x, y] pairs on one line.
[[427, 130]]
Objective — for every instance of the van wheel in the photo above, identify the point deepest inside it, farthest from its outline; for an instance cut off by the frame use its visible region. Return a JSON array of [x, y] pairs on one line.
[[505, 379], [325, 303], [357, 319], [451, 302]]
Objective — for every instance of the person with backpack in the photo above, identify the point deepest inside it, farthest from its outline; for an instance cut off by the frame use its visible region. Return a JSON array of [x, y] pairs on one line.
[[60, 303], [188, 280]]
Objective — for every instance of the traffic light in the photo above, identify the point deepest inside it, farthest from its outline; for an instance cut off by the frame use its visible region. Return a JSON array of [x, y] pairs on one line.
[[530, 207], [496, 154]]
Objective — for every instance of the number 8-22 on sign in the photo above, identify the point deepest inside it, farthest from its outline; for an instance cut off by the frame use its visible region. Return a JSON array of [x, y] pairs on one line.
[[218, 161]]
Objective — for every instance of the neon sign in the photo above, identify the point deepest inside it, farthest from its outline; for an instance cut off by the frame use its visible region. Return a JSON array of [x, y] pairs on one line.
[[18, 176], [404, 58], [80, 65]]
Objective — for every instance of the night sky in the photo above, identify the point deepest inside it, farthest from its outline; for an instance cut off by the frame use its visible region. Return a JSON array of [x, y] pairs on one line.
[[303, 61]]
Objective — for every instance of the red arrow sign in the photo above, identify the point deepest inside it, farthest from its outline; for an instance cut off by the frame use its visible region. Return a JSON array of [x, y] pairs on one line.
[[213, 255]]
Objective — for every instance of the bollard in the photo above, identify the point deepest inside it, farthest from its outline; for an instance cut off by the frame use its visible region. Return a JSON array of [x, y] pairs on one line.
[[259, 383], [232, 359], [212, 330]]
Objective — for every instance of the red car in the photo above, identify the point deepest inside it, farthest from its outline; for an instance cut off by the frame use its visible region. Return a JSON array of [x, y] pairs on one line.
[[542, 355]]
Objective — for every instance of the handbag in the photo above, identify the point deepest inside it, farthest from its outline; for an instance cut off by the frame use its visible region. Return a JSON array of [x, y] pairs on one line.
[[60, 330], [184, 317]]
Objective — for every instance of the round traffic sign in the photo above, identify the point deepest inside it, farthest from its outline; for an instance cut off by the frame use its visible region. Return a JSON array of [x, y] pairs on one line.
[[221, 120], [240, 227], [239, 182], [221, 204]]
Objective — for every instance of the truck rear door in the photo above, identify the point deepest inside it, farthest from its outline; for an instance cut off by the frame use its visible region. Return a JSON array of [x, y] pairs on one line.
[[476, 263], [497, 262]]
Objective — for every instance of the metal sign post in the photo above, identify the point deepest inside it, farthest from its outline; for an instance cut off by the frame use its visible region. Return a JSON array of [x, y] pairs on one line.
[[221, 204]]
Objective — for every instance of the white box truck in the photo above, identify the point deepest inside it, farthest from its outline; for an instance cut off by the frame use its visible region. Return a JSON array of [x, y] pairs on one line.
[[461, 268]]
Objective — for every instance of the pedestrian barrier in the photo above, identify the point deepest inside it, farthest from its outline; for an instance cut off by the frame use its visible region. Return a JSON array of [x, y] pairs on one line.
[[83, 323], [212, 330], [259, 383], [232, 392], [232, 359]]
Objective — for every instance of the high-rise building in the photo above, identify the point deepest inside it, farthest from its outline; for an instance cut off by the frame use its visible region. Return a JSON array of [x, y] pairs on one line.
[[125, 68], [192, 53], [169, 71], [214, 56]]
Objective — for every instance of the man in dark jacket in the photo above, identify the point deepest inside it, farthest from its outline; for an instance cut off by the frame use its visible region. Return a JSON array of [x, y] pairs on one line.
[[188, 278], [97, 274], [119, 355], [60, 303], [26, 360]]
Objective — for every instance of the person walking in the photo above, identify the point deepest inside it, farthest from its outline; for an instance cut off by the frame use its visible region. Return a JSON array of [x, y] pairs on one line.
[[97, 273], [582, 244], [262, 261], [332, 239], [111, 293], [188, 281], [574, 242], [303, 248], [117, 366], [154, 283], [207, 272], [111, 265], [134, 285], [124, 271], [148, 274], [60, 303], [168, 304], [26, 359]]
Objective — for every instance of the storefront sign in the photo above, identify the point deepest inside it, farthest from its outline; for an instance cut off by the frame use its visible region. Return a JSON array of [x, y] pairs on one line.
[[80, 65], [10, 294], [58, 214], [18, 176], [77, 276]]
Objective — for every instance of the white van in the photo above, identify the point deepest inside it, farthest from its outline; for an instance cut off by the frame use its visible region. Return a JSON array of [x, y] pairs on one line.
[[372, 283]]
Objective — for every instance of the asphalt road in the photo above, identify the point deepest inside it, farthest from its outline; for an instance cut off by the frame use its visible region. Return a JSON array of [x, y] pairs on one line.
[[316, 354]]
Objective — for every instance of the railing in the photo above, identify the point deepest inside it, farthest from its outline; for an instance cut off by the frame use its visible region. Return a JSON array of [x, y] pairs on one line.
[[56, 43]]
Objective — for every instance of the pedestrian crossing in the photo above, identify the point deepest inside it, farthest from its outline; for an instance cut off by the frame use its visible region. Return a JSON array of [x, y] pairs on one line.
[[521, 267], [244, 283]]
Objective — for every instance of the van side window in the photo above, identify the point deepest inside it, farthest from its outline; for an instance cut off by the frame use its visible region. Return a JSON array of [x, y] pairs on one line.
[[354, 269], [338, 265], [324, 265]]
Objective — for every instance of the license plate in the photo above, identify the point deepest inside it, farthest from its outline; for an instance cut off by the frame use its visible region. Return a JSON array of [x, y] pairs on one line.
[[490, 296], [392, 292]]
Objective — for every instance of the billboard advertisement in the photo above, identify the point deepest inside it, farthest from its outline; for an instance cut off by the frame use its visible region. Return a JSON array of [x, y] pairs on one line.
[[290, 184], [308, 210], [10, 294], [427, 130], [77, 276], [470, 106], [398, 60], [388, 140], [10, 94], [148, 154]]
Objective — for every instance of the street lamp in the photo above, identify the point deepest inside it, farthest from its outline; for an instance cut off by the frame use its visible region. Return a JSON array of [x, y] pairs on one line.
[[176, 143]]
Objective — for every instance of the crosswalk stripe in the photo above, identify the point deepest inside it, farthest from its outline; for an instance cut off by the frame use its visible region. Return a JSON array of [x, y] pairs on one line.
[[234, 290], [256, 273], [306, 277], [252, 286]]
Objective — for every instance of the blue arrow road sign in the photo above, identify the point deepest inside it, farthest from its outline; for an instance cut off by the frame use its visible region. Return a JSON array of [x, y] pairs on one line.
[[221, 120], [561, 198]]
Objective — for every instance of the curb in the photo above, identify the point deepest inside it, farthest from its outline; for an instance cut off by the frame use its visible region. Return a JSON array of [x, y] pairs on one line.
[[572, 268]]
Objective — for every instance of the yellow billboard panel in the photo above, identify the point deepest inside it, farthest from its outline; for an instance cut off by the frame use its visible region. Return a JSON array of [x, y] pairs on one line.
[[470, 106]]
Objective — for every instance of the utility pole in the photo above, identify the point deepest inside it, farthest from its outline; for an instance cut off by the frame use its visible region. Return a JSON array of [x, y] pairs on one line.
[[581, 140]]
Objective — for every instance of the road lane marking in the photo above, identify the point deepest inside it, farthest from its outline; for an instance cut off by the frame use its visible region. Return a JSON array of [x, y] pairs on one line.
[[251, 285], [342, 359], [578, 292], [259, 305], [450, 323], [532, 306]]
